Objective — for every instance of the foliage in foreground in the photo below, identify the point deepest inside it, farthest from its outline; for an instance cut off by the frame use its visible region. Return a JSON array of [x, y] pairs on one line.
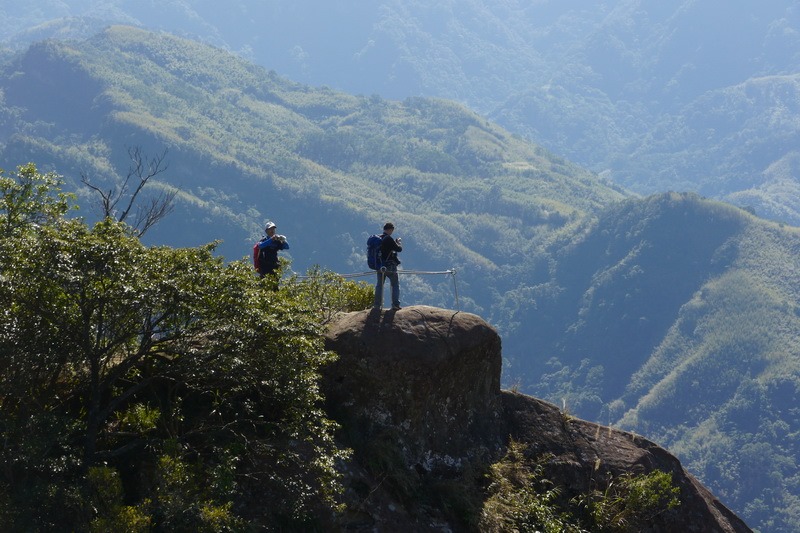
[[522, 499], [151, 387]]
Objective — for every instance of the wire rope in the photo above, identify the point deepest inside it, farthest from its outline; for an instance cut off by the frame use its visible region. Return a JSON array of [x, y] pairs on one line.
[[450, 272]]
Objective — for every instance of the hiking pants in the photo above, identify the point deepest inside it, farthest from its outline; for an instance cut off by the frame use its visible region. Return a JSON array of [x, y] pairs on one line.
[[390, 273]]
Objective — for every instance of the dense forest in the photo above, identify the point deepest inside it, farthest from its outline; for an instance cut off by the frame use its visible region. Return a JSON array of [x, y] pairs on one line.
[[670, 315]]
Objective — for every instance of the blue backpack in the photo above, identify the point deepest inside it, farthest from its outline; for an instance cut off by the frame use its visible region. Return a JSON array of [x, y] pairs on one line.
[[374, 252]]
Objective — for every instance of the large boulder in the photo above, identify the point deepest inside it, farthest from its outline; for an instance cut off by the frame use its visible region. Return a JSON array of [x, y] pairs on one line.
[[424, 377]]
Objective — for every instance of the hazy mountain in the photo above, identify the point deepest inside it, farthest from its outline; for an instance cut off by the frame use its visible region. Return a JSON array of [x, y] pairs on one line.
[[672, 315], [695, 96]]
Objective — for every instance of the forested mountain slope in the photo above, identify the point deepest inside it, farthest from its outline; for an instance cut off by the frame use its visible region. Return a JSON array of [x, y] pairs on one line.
[[677, 318], [608, 303], [697, 96], [247, 145]]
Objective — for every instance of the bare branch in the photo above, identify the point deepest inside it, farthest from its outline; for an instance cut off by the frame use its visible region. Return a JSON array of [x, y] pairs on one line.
[[107, 200], [140, 172], [157, 209]]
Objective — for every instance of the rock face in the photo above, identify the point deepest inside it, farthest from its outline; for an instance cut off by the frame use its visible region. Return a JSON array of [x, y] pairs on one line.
[[426, 382], [428, 377]]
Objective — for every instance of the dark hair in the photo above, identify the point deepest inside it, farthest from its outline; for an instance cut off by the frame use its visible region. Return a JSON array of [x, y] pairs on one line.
[[388, 225]]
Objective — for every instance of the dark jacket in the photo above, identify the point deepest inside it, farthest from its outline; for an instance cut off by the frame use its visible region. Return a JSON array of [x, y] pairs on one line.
[[389, 249], [268, 254]]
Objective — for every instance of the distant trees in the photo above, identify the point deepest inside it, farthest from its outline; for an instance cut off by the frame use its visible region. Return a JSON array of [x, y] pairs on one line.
[[160, 370]]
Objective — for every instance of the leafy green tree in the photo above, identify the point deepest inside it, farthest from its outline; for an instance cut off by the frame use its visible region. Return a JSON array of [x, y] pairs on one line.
[[122, 356], [28, 197]]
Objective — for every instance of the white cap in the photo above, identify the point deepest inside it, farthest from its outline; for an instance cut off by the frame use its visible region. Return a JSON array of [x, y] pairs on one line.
[[269, 226]]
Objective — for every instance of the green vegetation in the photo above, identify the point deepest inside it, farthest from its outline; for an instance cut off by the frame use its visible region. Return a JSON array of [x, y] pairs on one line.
[[521, 498], [515, 493], [693, 307], [631, 502], [154, 386]]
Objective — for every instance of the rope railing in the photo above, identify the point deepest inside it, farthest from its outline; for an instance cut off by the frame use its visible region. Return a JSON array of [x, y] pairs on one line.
[[451, 272]]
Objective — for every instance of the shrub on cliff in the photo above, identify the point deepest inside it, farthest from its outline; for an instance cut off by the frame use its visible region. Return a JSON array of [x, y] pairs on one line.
[[520, 498]]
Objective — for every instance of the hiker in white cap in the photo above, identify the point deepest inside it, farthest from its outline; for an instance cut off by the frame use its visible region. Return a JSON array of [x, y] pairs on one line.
[[268, 250]]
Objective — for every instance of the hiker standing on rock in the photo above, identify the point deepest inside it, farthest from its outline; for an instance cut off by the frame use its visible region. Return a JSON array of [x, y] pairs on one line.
[[389, 260]]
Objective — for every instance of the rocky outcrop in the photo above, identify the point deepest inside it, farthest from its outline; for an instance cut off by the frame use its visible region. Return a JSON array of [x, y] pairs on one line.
[[425, 377], [585, 455], [423, 384]]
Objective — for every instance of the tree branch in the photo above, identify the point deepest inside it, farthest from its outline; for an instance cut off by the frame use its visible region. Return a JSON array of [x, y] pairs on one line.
[[140, 172]]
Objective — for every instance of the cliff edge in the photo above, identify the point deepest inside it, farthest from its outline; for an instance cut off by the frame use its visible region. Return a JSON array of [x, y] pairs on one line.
[[417, 392]]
